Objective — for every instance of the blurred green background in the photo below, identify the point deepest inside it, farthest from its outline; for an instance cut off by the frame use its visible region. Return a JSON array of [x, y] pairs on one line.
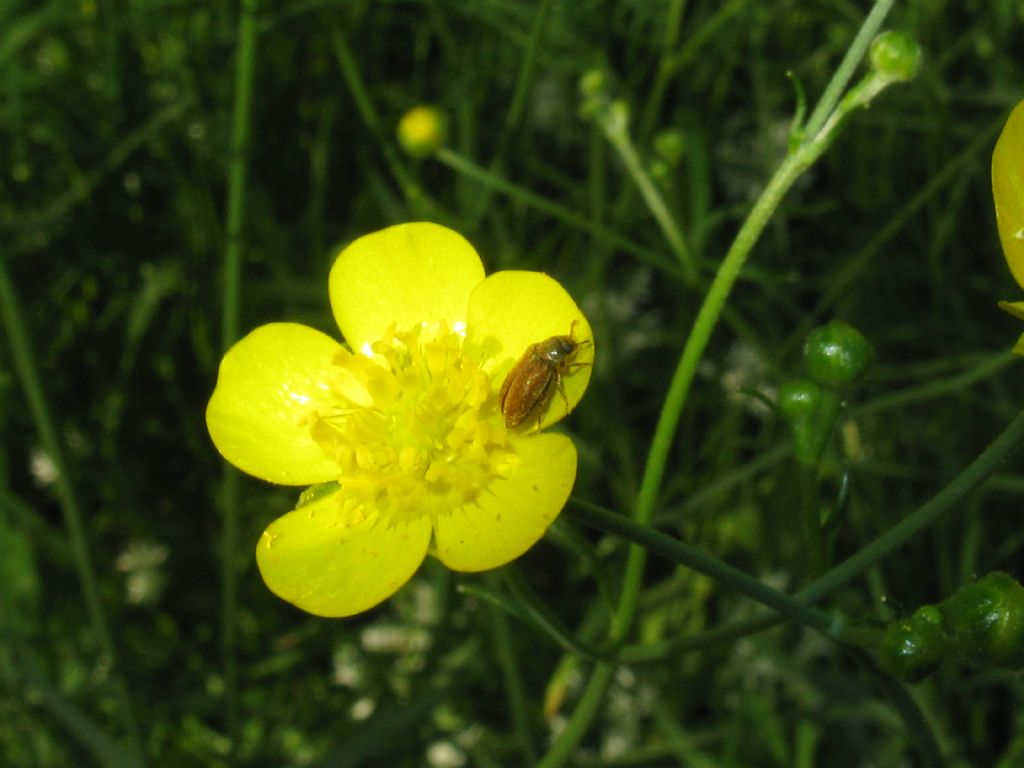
[[115, 125]]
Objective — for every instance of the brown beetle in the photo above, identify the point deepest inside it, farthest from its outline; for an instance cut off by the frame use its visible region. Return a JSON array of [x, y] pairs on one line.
[[529, 385]]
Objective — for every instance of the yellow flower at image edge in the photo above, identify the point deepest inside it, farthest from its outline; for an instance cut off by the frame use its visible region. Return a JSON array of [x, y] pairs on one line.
[[399, 431], [1008, 193]]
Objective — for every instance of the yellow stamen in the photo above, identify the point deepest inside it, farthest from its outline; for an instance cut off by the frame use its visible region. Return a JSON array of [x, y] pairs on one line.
[[415, 428]]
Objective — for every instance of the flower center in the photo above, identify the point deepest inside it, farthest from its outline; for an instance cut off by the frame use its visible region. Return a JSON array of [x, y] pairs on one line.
[[416, 427]]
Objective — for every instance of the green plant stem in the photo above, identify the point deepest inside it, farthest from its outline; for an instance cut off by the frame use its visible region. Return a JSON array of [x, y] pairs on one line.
[[810, 441], [694, 558], [669, 43], [368, 114], [795, 163], [566, 215], [964, 162], [28, 375], [837, 85], [976, 472], [524, 77], [64, 711], [794, 607], [927, 514], [707, 318], [83, 187], [533, 610], [238, 170], [704, 33], [810, 520], [977, 370], [582, 716], [529, 610], [921, 737], [512, 676], [617, 132]]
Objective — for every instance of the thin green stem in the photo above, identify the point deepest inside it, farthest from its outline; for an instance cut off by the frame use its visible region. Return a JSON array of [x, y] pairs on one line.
[[512, 676], [533, 610], [810, 520], [938, 387], [975, 473], [795, 607], [525, 75], [694, 558], [965, 161], [704, 33], [943, 502], [83, 187], [837, 85], [810, 439], [89, 735], [566, 215], [368, 113], [582, 716], [28, 375], [792, 167], [524, 78], [540, 620], [672, 29], [679, 741], [921, 737], [686, 370], [794, 164], [238, 170], [617, 132]]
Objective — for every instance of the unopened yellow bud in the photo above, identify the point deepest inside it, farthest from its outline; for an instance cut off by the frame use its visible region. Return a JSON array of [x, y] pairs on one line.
[[421, 131]]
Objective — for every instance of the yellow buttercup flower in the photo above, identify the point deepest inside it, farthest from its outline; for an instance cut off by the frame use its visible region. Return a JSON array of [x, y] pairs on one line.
[[1008, 193], [399, 432]]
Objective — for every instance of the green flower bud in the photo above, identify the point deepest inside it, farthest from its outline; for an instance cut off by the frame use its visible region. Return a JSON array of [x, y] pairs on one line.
[[593, 93], [895, 56], [984, 621], [837, 355], [811, 414], [593, 84], [669, 146], [913, 648], [617, 117], [798, 400]]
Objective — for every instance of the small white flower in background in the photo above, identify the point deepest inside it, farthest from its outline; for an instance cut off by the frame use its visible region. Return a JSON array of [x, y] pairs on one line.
[[627, 309], [393, 638], [628, 703], [426, 604], [347, 667], [363, 708], [132, 183], [41, 466], [444, 754], [142, 564], [469, 737]]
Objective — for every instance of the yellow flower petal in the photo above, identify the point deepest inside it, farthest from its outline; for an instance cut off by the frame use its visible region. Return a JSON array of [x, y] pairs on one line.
[[1008, 191], [514, 511], [328, 560], [1015, 308], [510, 311], [269, 384], [402, 275]]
